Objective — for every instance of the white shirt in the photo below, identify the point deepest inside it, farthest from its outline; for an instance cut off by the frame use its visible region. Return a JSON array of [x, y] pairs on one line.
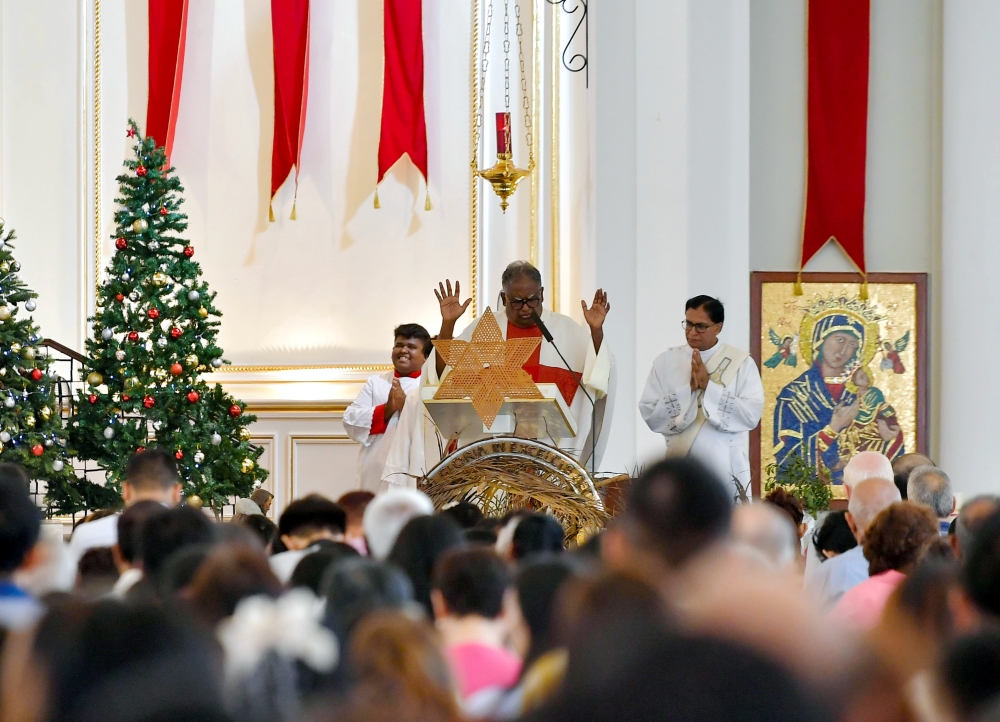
[[358, 423], [668, 406], [95, 534]]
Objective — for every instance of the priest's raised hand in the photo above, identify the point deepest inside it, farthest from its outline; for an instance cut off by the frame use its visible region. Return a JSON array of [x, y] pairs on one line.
[[452, 309], [595, 315]]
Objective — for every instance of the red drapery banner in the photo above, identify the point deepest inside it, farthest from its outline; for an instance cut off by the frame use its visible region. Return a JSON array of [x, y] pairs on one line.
[[167, 32], [290, 33], [839, 38], [404, 128]]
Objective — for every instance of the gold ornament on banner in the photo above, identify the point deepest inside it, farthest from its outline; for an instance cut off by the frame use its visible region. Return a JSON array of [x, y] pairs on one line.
[[487, 369]]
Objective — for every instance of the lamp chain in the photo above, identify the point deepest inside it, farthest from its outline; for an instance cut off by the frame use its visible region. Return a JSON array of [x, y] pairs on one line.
[[524, 89], [484, 64]]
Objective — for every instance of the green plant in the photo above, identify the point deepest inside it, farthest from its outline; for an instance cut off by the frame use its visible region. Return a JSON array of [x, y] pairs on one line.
[[800, 478]]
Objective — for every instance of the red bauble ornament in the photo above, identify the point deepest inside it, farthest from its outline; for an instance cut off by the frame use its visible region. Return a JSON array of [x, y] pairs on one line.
[[235, 411], [140, 449], [163, 210], [179, 455], [119, 297], [188, 251], [141, 171], [154, 314], [176, 369], [36, 374], [37, 450], [92, 398], [133, 336], [149, 402], [120, 244], [126, 397], [175, 332], [193, 397]]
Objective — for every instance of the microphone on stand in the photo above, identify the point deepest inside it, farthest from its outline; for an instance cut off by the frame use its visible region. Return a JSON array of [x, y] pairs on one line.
[[537, 320]]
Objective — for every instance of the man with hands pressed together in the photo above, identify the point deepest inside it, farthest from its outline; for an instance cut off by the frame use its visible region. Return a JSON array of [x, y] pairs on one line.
[[371, 420], [704, 397]]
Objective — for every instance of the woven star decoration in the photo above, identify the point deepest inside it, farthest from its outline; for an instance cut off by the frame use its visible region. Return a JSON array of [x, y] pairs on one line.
[[487, 369]]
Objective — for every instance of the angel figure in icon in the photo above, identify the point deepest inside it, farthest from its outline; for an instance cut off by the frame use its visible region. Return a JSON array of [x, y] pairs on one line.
[[890, 354], [787, 352]]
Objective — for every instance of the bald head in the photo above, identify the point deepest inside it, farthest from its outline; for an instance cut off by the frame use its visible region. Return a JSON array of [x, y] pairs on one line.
[[768, 530], [868, 499], [866, 465], [971, 517], [902, 467]]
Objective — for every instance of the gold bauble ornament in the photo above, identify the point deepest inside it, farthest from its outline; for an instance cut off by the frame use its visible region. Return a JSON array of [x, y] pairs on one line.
[[191, 360], [46, 412], [244, 434], [159, 279], [139, 225], [194, 501], [28, 352], [29, 420], [5, 267], [203, 312], [131, 382], [95, 379], [247, 466], [15, 348], [4, 313]]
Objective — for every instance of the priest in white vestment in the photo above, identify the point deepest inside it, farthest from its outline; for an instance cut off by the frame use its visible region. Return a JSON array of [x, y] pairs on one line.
[[706, 396], [418, 449], [373, 417]]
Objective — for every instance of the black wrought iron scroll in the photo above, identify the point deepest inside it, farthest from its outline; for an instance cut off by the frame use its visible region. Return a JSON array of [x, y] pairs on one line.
[[577, 61]]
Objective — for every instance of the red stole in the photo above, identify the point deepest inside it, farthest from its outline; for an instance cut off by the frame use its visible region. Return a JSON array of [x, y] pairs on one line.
[[566, 382]]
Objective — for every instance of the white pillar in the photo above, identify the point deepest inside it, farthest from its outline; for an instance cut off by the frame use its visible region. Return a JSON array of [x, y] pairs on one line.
[[970, 255]]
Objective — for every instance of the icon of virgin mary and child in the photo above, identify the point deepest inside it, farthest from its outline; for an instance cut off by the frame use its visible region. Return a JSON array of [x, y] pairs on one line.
[[833, 411]]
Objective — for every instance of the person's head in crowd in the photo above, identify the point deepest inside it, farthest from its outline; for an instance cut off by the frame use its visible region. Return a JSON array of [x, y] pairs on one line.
[[466, 514], [538, 583], [174, 578], [897, 536], [353, 589], [981, 570], [676, 510], [704, 317], [263, 499], [537, 534], [902, 467], [480, 537], [130, 525], [96, 573], [866, 465], [310, 519], [354, 504], [419, 547], [388, 513], [152, 474], [164, 534], [791, 505], [930, 486], [411, 347], [969, 671], [764, 533], [470, 583], [20, 521], [244, 508], [868, 498], [400, 671], [262, 528], [971, 517], [309, 572], [923, 600], [834, 536], [229, 574]]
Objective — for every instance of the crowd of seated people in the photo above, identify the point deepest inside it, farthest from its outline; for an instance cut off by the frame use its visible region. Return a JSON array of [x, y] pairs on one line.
[[382, 608]]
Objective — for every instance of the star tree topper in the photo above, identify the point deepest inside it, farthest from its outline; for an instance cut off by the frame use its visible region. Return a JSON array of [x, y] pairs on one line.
[[487, 369]]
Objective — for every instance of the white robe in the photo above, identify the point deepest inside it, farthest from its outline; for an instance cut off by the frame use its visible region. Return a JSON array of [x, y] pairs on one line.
[[668, 406], [358, 424], [416, 450]]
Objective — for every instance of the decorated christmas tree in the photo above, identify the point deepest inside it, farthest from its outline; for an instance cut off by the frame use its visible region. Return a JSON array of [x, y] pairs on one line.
[[154, 339], [31, 428]]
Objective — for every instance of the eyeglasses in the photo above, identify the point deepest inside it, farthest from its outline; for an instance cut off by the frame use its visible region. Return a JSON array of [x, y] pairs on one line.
[[518, 303], [696, 327]]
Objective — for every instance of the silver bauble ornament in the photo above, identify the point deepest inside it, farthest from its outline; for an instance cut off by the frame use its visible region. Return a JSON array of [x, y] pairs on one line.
[[157, 425], [15, 266], [134, 296], [9, 402], [4, 436], [30, 305], [126, 277], [161, 341], [216, 439], [48, 442], [193, 295], [198, 457], [140, 225], [154, 246], [57, 465], [120, 355], [216, 363], [107, 334], [109, 433]]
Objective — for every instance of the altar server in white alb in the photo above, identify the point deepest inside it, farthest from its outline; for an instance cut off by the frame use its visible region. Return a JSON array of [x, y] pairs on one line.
[[372, 419], [704, 397], [416, 450]]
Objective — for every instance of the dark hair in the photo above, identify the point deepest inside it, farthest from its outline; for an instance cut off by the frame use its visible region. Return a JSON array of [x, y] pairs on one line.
[[419, 546], [130, 525], [164, 534], [466, 514], [309, 571], [230, 574], [677, 508], [480, 537], [262, 527], [311, 514], [152, 469], [712, 306], [96, 572], [354, 504], [473, 581], [788, 503], [898, 535], [177, 573], [970, 671], [981, 568], [20, 519], [414, 330], [519, 269], [834, 535], [538, 584], [355, 587], [536, 534]]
